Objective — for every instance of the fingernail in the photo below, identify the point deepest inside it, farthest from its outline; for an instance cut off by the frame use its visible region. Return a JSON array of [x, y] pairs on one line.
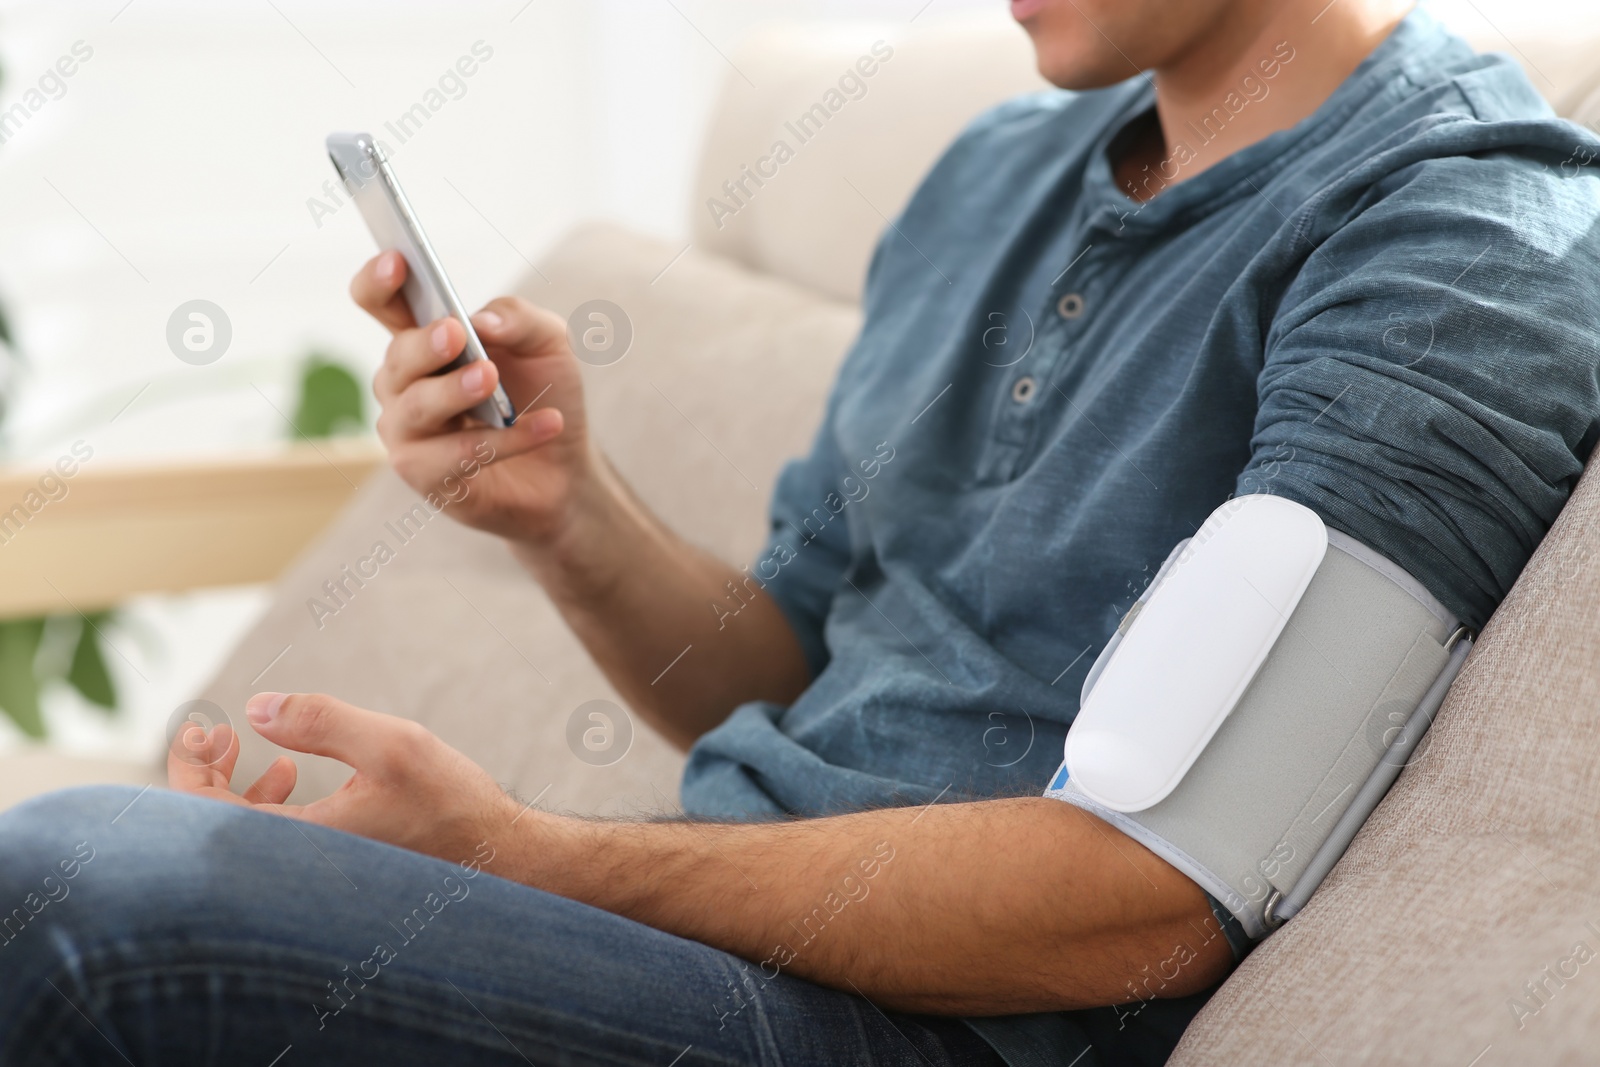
[[545, 422], [487, 320], [472, 380], [386, 268], [441, 339], [263, 707]]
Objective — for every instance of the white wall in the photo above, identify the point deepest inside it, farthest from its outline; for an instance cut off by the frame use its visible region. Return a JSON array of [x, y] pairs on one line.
[[180, 160]]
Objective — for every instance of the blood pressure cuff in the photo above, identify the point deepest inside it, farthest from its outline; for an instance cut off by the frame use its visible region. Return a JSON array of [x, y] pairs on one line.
[[1257, 702]]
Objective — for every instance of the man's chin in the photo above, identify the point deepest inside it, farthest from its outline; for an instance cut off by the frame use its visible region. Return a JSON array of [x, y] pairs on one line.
[[1068, 53], [1072, 72]]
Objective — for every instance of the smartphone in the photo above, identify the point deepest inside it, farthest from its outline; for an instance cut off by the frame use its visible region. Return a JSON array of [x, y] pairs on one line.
[[371, 182]]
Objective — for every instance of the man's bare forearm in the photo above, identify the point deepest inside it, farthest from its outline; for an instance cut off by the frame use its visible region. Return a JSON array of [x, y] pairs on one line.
[[994, 907], [642, 601]]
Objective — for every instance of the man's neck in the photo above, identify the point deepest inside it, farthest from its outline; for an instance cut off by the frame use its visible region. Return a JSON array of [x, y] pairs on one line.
[[1261, 68]]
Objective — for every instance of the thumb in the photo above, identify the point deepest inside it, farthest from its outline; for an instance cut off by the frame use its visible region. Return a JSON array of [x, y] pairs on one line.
[[324, 726], [520, 328]]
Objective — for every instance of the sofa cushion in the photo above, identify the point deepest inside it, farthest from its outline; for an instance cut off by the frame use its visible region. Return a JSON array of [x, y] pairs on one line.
[[725, 378]]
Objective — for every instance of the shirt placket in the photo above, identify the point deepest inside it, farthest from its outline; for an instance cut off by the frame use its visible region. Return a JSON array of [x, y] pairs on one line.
[[1027, 391]]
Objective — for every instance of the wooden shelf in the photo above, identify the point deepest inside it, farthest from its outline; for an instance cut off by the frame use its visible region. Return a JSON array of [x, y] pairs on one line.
[[168, 526]]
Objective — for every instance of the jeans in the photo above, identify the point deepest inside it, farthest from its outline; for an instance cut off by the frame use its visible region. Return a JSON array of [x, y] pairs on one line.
[[154, 928]]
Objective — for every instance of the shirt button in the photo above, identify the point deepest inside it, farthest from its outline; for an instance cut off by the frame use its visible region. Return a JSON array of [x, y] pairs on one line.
[[1070, 306], [1024, 388]]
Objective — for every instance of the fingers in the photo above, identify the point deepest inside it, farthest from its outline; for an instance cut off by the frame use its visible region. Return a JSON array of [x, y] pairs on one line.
[[416, 353], [275, 783], [199, 759], [507, 326], [202, 762], [428, 406], [311, 722], [443, 463], [376, 288]]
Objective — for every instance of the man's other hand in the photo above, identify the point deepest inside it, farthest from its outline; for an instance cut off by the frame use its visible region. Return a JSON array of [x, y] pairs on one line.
[[409, 788]]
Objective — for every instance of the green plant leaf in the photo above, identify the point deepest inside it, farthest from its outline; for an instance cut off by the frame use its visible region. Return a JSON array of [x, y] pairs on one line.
[[8, 355], [331, 400], [19, 687], [88, 674]]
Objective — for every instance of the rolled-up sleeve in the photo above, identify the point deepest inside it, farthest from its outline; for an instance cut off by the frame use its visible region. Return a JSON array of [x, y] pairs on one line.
[[1430, 385]]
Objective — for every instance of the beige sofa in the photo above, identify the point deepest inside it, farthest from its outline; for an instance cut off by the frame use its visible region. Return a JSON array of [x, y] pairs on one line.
[[1476, 876]]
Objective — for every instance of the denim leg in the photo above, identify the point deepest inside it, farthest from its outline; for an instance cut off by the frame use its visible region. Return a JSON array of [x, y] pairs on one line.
[[159, 928]]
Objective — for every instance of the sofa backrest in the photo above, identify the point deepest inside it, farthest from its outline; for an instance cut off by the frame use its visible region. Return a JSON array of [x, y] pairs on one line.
[[811, 214], [816, 216]]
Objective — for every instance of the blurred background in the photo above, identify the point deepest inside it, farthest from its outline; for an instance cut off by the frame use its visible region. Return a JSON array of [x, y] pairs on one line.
[[182, 160]]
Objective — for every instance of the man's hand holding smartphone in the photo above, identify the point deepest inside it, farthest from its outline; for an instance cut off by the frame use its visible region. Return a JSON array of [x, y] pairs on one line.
[[531, 489], [634, 593]]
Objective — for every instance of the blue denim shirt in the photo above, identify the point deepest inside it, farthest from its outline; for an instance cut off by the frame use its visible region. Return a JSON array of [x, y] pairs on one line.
[[1389, 313]]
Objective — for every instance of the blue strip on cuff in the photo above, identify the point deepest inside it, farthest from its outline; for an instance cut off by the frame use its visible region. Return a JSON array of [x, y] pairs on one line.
[[1238, 940]]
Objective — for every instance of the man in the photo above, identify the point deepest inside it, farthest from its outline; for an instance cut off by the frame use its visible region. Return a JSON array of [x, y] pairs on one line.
[[1322, 252]]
